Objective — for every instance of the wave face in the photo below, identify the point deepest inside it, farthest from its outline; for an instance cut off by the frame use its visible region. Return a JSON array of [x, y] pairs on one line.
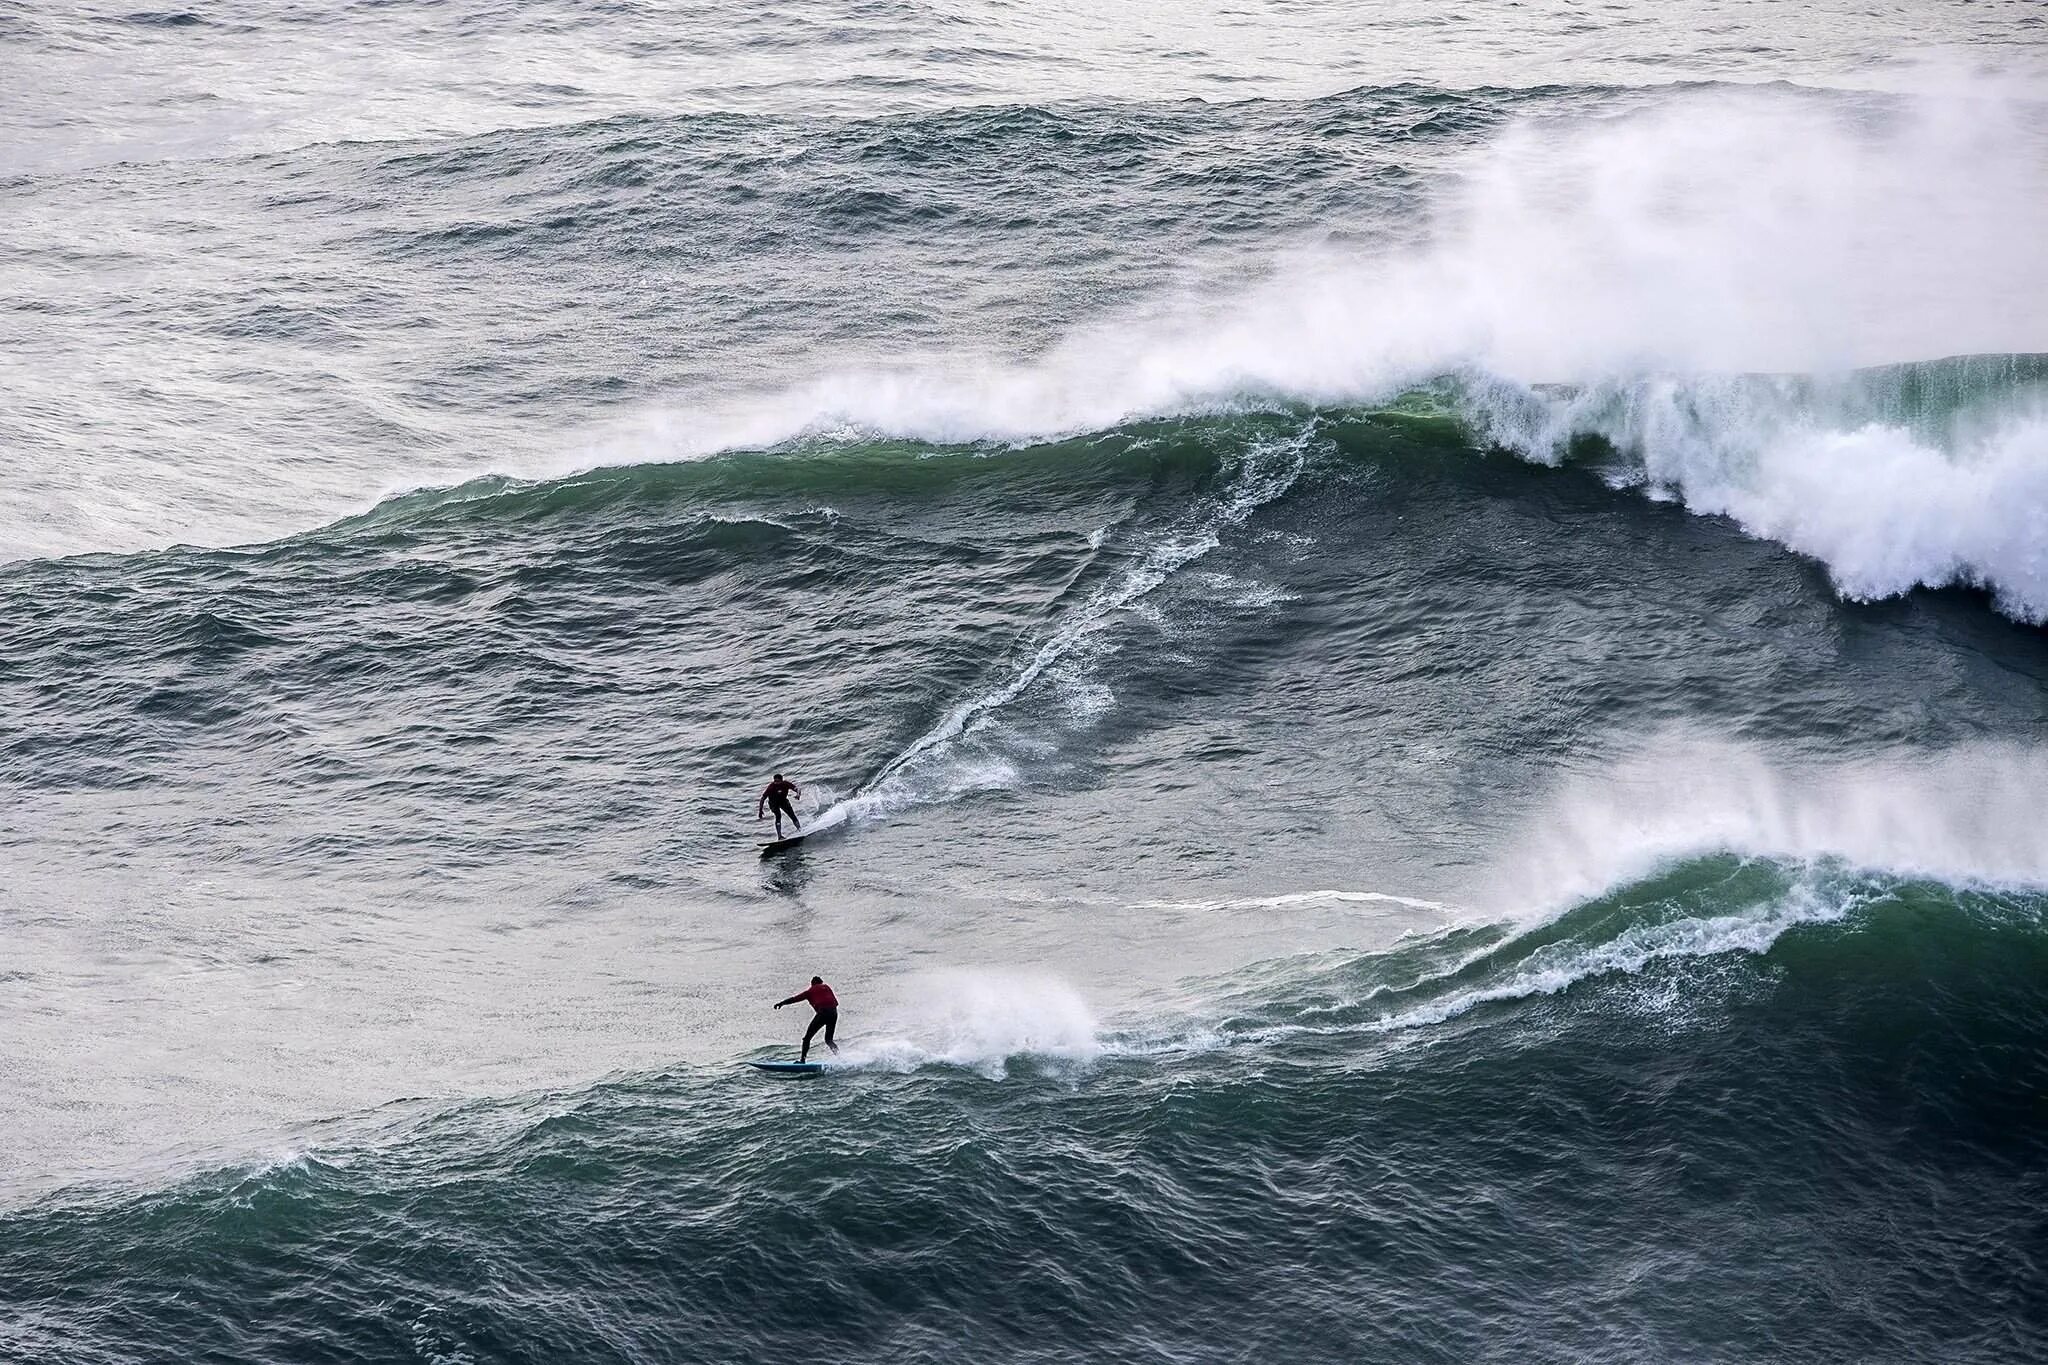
[[1729, 1091], [1269, 864], [1414, 654]]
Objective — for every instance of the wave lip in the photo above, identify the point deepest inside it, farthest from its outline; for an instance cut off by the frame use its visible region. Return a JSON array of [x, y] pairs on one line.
[[1897, 477], [1706, 941]]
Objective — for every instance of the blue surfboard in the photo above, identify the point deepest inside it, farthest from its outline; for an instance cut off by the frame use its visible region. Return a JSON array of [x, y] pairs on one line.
[[789, 1068]]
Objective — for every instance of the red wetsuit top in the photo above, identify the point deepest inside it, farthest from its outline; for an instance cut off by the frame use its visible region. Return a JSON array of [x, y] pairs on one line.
[[821, 997]]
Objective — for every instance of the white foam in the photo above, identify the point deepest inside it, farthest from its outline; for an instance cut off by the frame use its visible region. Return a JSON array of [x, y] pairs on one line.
[[1966, 816], [1719, 230], [982, 1020], [1293, 899]]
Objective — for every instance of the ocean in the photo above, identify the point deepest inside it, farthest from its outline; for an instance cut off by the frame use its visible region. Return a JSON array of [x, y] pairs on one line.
[[1415, 637]]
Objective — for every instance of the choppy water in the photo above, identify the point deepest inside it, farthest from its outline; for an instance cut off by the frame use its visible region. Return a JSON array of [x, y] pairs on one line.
[[1416, 639]]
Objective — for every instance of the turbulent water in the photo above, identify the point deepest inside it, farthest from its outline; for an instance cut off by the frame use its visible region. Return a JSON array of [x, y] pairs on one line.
[[1414, 636]]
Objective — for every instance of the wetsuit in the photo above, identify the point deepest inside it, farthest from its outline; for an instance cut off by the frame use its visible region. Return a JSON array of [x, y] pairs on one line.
[[778, 803], [827, 1017]]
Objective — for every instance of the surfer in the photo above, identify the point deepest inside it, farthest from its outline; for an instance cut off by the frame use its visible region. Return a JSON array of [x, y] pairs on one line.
[[825, 1003], [775, 796]]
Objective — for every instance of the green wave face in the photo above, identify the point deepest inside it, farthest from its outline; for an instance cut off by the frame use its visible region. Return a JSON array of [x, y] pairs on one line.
[[1716, 1132], [1941, 402]]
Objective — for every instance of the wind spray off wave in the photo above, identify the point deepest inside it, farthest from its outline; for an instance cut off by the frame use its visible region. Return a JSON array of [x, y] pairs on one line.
[[1648, 259]]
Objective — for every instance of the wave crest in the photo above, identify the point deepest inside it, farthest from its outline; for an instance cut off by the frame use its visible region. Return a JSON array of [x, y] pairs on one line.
[[1897, 477]]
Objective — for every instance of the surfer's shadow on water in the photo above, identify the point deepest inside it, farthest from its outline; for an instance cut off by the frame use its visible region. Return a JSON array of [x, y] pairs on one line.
[[787, 874]]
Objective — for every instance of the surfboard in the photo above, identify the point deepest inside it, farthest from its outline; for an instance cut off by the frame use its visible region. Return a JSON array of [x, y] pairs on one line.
[[774, 846], [790, 1068]]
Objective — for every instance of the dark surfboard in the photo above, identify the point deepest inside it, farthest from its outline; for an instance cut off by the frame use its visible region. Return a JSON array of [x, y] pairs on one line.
[[790, 1068]]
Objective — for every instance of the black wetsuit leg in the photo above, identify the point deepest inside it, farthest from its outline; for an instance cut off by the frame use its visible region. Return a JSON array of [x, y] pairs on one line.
[[823, 1019], [781, 807]]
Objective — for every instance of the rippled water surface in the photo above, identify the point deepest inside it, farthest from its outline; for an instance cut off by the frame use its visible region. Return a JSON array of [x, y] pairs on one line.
[[1413, 640]]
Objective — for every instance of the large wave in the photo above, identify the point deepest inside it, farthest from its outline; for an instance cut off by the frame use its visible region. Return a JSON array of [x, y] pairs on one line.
[[1862, 1100], [1644, 250], [1654, 263], [1649, 874]]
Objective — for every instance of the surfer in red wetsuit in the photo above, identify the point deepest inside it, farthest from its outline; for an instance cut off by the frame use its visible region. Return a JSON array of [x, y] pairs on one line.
[[775, 796], [827, 1006]]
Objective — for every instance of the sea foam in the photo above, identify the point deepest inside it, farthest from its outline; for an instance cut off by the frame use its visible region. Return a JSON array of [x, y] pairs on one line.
[[981, 1020]]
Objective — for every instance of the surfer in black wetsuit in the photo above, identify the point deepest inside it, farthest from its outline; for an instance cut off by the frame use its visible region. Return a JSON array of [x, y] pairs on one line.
[[775, 796]]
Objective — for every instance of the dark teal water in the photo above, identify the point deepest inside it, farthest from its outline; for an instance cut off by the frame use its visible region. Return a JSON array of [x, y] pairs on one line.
[[1831, 1151], [1417, 663]]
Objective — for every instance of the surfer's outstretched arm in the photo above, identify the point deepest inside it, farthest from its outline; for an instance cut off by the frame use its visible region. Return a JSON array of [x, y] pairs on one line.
[[800, 995]]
